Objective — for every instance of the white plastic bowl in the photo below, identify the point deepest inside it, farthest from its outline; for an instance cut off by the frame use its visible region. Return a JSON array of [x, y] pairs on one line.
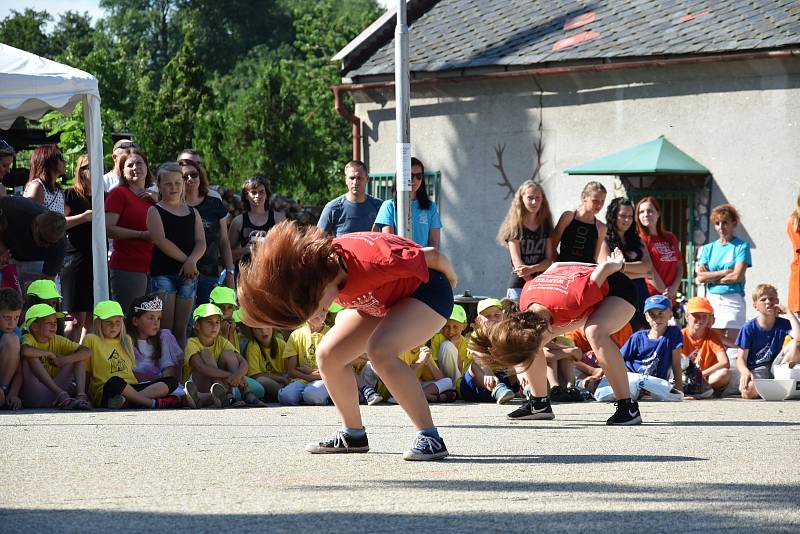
[[774, 390]]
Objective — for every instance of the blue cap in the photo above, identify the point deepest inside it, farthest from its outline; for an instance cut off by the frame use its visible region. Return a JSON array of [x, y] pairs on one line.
[[657, 302]]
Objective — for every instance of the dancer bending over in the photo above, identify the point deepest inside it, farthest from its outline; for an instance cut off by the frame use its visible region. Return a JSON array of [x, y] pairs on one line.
[[396, 296], [565, 297]]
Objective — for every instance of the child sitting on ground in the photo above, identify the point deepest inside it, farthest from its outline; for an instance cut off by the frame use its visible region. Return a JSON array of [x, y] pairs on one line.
[[44, 291], [761, 339], [703, 345], [214, 365], [588, 369], [449, 347], [301, 365], [481, 383], [561, 355], [436, 386], [157, 353], [52, 363], [10, 346], [264, 355], [224, 298], [655, 351], [114, 385]]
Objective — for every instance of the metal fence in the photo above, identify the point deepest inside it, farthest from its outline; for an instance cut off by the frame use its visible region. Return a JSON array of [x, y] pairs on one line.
[[382, 185]]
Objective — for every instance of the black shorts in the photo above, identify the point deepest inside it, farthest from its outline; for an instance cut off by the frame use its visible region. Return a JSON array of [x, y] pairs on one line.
[[436, 293], [623, 287]]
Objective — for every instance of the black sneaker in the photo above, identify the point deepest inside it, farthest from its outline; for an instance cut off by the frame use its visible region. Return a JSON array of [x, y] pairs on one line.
[[426, 448], [574, 395], [340, 443], [533, 409], [627, 414], [559, 394]]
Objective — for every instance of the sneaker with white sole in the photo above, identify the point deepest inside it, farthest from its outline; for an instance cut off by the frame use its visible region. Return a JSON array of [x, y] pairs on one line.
[[340, 443], [372, 396], [533, 409], [627, 414], [426, 448]]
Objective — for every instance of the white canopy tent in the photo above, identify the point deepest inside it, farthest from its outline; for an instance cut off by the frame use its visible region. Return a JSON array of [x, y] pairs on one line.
[[30, 86]]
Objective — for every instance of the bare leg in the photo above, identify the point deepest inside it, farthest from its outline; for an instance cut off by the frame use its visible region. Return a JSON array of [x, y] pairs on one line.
[[566, 370], [183, 310], [146, 396], [409, 324], [536, 375], [343, 343], [609, 317], [168, 315]]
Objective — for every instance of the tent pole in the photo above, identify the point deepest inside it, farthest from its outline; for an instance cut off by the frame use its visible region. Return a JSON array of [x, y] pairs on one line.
[[94, 144]]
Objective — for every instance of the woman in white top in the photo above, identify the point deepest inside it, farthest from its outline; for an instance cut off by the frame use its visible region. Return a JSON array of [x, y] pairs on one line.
[[47, 166]]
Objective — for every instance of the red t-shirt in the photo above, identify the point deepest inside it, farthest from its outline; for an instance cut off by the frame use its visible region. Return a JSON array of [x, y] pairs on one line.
[[381, 270], [666, 256], [567, 291], [129, 254]]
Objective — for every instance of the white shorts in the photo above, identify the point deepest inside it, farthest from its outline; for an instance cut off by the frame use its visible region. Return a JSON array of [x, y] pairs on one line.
[[729, 310]]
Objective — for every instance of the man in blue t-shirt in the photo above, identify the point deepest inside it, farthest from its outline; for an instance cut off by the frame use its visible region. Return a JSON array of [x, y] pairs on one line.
[[761, 339], [355, 211], [658, 349]]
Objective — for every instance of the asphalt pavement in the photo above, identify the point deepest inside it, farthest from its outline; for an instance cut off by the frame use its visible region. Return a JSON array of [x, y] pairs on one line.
[[698, 466]]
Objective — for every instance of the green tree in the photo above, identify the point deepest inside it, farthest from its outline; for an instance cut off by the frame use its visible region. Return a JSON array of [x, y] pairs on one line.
[[26, 31], [73, 37]]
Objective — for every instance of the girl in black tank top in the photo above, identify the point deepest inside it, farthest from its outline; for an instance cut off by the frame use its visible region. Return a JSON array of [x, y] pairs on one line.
[[251, 231], [180, 230], [577, 238]]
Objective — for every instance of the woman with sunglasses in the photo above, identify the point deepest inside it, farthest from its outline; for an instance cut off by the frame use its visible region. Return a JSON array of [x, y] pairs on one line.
[[47, 166], [215, 225], [425, 223], [76, 276]]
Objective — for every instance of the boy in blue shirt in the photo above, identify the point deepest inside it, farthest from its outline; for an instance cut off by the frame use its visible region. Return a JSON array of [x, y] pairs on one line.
[[761, 339], [657, 350]]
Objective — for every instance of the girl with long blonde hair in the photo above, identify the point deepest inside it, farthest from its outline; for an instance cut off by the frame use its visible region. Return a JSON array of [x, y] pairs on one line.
[[526, 232]]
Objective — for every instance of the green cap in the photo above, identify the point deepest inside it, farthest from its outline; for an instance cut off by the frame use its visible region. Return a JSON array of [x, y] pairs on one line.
[[44, 289], [238, 316], [107, 309], [206, 310], [458, 314], [223, 295], [485, 304], [37, 311], [335, 307]]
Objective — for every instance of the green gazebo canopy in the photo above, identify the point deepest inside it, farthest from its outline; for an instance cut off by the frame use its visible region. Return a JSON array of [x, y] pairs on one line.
[[654, 157]]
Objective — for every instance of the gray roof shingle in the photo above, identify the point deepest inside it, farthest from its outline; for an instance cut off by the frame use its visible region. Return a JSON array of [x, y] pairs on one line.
[[459, 34]]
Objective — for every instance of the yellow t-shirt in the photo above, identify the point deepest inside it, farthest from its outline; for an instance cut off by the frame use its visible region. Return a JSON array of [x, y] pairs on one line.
[[410, 357], [109, 358], [462, 344], [57, 345], [261, 360], [194, 346], [303, 344]]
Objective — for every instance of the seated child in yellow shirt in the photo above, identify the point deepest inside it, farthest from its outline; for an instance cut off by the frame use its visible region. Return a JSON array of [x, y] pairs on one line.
[[301, 365], [52, 362], [265, 362], [10, 345], [481, 383], [436, 386], [224, 298], [214, 365], [114, 385]]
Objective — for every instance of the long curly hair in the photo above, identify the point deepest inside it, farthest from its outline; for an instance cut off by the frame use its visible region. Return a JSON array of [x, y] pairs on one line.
[[283, 284], [512, 225], [632, 242], [514, 341]]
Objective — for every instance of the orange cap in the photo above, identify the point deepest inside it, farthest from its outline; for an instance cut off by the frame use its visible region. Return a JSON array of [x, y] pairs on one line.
[[698, 305]]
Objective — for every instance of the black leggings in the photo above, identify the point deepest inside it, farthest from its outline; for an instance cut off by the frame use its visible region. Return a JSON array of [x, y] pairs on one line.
[[115, 385]]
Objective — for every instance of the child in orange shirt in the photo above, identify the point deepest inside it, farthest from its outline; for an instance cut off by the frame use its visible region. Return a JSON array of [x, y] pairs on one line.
[[703, 345]]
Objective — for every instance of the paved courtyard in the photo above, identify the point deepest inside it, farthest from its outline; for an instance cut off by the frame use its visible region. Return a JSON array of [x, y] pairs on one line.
[[702, 466]]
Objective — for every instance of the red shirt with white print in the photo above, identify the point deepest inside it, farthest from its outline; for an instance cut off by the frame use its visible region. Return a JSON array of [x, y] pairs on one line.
[[567, 291], [665, 255], [381, 270]]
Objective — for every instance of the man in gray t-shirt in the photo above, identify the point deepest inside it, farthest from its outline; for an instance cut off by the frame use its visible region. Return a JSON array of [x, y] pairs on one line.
[[354, 211]]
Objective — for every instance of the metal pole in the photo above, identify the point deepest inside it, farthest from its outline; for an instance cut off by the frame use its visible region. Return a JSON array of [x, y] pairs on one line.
[[403, 120]]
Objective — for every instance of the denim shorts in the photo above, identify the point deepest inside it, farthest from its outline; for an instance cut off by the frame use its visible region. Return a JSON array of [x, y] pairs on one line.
[[436, 293], [174, 283]]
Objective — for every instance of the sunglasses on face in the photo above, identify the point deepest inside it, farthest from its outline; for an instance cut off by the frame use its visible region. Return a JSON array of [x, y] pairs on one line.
[[417, 175], [194, 175], [125, 146]]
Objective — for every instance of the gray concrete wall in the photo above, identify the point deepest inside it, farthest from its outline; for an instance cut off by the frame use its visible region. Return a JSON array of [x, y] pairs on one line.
[[740, 120]]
